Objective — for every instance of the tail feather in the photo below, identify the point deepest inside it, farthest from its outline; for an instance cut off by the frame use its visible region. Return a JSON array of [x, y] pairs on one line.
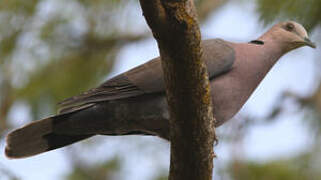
[[38, 137]]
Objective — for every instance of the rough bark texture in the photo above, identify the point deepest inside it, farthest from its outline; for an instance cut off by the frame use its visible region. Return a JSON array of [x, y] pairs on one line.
[[175, 27]]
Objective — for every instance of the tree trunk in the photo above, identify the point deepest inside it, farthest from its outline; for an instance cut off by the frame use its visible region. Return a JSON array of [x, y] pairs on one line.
[[175, 27]]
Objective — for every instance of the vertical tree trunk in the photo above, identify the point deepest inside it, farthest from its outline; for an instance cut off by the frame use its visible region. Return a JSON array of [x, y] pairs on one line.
[[175, 27]]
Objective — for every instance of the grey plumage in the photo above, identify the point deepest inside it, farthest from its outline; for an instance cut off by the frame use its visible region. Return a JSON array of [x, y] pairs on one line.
[[148, 78], [134, 102], [38, 137]]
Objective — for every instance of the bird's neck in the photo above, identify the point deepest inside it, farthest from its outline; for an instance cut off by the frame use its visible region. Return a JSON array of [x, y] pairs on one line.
[[255, 61], [270, 52], [273, 44]]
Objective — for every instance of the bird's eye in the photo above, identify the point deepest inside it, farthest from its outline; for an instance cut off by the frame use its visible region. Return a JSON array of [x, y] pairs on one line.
[[289, 27]]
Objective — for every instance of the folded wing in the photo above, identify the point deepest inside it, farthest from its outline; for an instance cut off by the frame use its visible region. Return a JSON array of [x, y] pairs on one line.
[[148, 78]]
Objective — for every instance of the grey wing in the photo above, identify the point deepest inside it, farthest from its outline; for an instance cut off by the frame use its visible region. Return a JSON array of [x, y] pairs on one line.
[[116, 88], [218, 55], [148, 78]]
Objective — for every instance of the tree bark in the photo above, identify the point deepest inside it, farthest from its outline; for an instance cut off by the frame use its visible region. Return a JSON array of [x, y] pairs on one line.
[[175, 27]]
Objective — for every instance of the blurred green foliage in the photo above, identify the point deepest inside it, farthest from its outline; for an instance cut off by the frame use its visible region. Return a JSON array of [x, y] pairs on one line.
[[307, 12], [103, 171], [162, 177], [297, 168], [50, 50]]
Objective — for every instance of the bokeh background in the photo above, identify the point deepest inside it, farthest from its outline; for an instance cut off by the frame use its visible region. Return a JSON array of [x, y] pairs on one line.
[[53, 49]]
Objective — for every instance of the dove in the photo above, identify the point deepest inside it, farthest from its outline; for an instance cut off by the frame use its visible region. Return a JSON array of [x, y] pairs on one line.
[[134, 102]]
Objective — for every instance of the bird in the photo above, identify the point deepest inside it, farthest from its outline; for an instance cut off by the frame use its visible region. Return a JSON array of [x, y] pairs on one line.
[[134, 102]]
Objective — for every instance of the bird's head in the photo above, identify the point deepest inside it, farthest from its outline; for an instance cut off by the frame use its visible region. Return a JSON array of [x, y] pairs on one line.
[[290, 35]]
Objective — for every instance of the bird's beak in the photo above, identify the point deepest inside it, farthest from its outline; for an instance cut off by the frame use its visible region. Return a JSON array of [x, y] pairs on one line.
[[308, 42]]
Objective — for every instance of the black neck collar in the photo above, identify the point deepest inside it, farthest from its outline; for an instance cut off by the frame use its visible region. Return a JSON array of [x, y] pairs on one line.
[[257, 42]]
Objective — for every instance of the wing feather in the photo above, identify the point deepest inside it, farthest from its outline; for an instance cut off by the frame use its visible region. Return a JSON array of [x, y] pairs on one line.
[[116, 88]]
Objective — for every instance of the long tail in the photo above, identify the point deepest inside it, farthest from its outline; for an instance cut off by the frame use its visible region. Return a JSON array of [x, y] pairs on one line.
[[38, 137]]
